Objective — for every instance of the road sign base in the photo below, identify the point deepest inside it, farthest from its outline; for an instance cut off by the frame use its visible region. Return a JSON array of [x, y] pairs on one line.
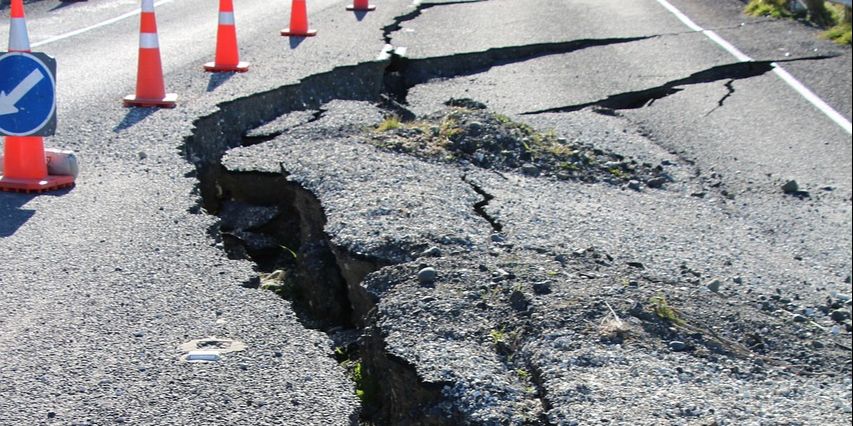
[[168, 101], [352, 8], [213, 67], [309, 33], [49, 183]]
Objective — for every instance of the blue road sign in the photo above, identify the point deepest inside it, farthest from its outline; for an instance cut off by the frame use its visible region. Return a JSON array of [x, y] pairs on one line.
[[27, 94]]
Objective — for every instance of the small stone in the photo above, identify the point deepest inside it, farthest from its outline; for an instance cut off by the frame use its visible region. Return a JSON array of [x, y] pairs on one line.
[[634, 184], [427, 275], [677, 346], [518, 301], [542, 288], [142, 155], [530, 169], [498, 238], [637, 265], [432, 252], [817, 345], [656, 182], [839, 315], [737, 280], [475, 128], [138, 334], [799, 318], [714, 285], [277, 354], [51, 414], [790, 187]]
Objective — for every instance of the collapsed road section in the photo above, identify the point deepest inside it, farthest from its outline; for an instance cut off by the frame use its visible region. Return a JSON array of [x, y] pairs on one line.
[[450, 310]]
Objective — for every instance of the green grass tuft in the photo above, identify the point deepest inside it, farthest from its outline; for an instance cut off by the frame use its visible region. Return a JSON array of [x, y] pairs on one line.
[[772, 8], [840, 34], [390, 123], [662, 309]]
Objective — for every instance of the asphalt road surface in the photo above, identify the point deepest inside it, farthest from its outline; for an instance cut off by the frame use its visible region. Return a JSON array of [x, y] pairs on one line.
[[106, 286]]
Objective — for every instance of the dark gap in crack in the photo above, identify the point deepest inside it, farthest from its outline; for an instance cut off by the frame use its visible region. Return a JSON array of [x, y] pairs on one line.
[[419, 71], [255, 140], [480, 207], [647, 97], [315, 117], [396, 25], [730, 87], [731, 91]]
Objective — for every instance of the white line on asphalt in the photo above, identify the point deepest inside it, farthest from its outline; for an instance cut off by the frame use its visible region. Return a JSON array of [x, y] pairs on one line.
[[96, 26], [777, 69]]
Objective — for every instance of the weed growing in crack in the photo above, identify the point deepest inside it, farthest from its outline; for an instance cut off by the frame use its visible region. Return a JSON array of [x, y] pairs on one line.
[[290, 251], [506, 342], [662, 309], [366, 387]]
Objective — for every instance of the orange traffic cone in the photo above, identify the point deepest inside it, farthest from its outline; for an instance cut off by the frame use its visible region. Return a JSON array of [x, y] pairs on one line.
[[227, 57], [150, 90], [24, 161], [298, 21], [361, 6]]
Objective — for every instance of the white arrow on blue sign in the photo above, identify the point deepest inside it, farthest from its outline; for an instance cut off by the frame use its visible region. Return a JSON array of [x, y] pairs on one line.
[[27, 94]]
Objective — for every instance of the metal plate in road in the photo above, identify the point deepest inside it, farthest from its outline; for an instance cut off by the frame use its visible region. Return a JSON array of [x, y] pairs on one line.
[[27, 94]]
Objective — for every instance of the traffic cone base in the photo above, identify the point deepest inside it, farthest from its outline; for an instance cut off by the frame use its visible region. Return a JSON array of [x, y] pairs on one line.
[[355, 8], [307, 33], [214, 67], [168, 101], [48, 183]]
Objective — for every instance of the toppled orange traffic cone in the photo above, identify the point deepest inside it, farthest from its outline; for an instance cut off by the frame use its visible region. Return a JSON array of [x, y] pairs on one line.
[[150, 90], [227, 56], [361, 6], [24, 162], [298, 21]]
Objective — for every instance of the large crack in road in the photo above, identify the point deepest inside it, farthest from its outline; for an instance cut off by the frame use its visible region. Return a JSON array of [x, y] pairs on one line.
[[334, 288]]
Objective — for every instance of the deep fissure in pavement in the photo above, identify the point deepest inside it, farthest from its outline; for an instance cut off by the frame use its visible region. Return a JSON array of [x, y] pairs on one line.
[[647, 97], [293, 254]]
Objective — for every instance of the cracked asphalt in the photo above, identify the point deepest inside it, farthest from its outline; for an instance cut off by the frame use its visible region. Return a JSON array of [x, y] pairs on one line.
[[557, 316]]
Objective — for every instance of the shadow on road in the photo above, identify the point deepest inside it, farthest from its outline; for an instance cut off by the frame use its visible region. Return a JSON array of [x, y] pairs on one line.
[[12, 216], [359, 14], [217, 79], [63, 4], [295, 41], [134, 116]]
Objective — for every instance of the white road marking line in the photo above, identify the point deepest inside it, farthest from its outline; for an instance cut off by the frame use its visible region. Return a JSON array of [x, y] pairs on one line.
[[777, 69], [96, 26]]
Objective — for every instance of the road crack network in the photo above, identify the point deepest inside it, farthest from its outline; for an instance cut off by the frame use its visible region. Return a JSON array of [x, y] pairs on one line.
[[647, 97]]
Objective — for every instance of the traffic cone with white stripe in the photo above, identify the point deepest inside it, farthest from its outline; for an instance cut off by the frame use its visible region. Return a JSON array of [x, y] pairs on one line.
[[24, 161], [298, 21], [19, 40], [361, 6], [150, 89], [227, 56]]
